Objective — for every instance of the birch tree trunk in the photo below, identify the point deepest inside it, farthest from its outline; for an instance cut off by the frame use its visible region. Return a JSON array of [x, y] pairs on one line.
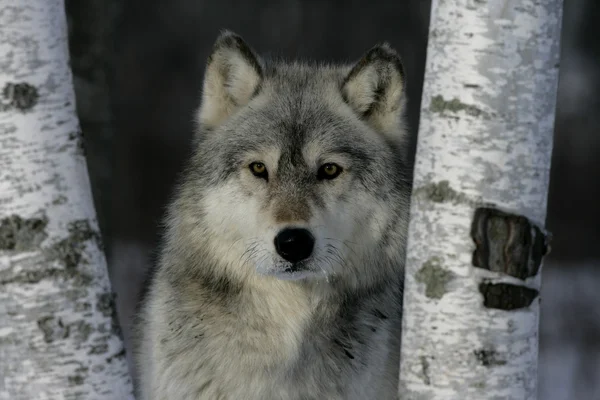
[[476, 242], [58, 336]]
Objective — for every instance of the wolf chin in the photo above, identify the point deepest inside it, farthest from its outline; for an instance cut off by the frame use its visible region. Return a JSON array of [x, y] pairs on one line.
[[280, 270]]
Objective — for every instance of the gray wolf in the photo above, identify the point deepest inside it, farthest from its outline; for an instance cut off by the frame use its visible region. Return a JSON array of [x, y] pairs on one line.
[[280, 270]]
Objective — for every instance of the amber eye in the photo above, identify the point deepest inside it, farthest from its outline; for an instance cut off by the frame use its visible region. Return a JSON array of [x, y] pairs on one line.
[[258, 169], [329, 171]]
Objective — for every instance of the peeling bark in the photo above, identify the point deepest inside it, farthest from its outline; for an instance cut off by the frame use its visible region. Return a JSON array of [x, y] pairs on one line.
[[473, 273], [58, 334]]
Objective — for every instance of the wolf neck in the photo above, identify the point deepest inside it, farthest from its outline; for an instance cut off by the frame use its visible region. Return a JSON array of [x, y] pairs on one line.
[[283, 316]]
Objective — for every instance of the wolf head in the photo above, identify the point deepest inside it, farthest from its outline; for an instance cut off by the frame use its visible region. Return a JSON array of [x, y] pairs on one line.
[[299, 169]]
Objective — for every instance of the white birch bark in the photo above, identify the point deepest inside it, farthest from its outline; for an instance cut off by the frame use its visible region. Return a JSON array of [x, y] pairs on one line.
[[58, 338], [485, 137]]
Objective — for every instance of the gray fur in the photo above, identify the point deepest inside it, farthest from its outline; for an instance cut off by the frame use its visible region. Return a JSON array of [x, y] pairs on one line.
[[223, 317]]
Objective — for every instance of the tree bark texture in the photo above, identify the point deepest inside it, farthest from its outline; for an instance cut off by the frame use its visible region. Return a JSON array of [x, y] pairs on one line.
[[476, 237], [58, 333]]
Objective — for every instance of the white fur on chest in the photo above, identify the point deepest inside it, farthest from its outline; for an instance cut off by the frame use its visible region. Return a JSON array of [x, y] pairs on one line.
[[247, 352], [249, 355]]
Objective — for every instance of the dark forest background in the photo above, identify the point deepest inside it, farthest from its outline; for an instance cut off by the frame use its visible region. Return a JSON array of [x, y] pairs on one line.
[[138, 67]]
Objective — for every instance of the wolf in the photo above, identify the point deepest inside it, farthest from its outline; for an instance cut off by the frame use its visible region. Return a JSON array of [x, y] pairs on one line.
[[280, 271]]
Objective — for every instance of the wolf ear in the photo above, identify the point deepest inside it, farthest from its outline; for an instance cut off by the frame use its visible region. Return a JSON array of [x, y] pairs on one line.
[[233, 76], [374, 88]]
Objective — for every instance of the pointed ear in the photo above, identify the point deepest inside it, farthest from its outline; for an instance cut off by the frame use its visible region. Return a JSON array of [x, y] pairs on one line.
[[233, 76], [374, 88]]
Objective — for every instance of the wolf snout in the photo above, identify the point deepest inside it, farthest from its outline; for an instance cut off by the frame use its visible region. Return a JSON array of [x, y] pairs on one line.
[[294, 244]]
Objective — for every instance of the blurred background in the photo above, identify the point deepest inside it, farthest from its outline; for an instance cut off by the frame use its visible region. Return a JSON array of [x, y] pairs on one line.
[[138, 67]]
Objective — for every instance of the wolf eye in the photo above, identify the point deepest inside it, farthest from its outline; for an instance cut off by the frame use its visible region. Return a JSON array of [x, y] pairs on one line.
[[329, 171], [258, 169]]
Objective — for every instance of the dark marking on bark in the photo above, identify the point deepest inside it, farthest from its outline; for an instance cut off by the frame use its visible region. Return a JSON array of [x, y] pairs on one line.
[[118, 355], [106, 305], [82, 331], [21, 96], [507, 243], [505, 296], [83, 306], [78, 135], [479, 385], [60, 199], [441, 192], [434, 277], [53, 329], [22, 234], [489, 357], [439, 105], [70, 249], [76, 380], [99, 349], [35, 276], [98, 368], [425, 370]]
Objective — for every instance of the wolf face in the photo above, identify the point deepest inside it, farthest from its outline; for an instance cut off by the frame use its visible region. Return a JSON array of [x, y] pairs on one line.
[[299, 168]]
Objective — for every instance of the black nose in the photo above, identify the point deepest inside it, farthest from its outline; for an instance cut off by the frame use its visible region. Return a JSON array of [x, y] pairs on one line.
[[294, 244]]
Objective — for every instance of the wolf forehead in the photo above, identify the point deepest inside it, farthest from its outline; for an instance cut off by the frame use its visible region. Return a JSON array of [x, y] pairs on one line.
[[297, 103]]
